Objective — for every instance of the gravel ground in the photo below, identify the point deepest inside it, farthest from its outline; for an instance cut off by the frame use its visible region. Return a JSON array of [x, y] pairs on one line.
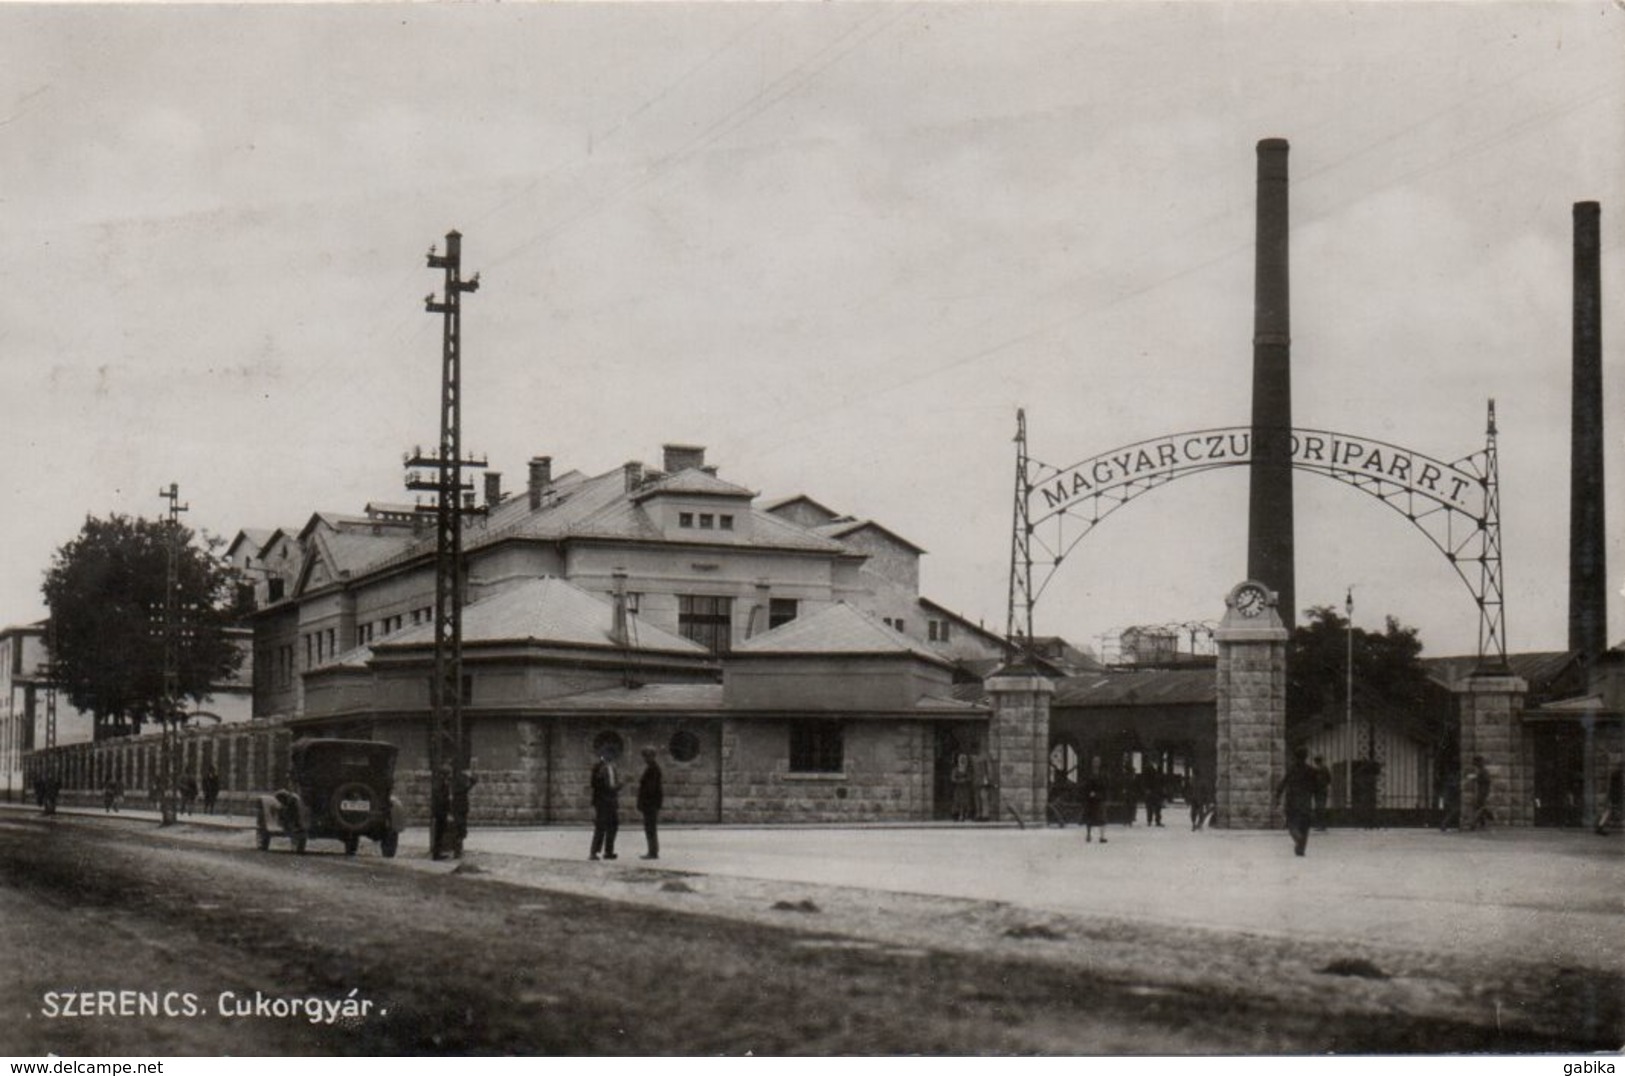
[[873, 970]]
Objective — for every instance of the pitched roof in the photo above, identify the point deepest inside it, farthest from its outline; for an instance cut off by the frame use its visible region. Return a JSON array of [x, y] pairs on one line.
[[836, 629], [691, 481], [549, 610], [1539, 667], [255, 536], [348, 554], [960, 619], [775, 506], [646, 697], [1154, 687], [844, 528], [573, 506]]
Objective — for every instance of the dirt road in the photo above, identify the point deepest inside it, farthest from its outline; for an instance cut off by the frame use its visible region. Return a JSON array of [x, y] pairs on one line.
[[498, 956]]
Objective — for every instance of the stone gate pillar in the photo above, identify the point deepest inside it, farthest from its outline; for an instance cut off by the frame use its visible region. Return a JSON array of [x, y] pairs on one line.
[[1251, 709], [1018, 741], [1490, 705]]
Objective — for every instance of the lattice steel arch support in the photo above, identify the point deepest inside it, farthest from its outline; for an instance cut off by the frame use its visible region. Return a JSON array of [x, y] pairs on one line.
[[1455, 505], [1018, 630]]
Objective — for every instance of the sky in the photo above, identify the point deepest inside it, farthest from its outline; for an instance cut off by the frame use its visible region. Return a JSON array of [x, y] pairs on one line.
[[839, 245]]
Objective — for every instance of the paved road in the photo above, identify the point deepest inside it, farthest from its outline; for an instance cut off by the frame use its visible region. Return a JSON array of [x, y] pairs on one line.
[[1527, 895]]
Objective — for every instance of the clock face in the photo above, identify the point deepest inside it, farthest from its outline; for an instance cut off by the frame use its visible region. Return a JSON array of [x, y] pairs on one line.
[[1251, 601]]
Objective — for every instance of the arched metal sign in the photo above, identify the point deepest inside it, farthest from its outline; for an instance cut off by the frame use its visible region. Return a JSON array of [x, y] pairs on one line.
[[1455, 504]]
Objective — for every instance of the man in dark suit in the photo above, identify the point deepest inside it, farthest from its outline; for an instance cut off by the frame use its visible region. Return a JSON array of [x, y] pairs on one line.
[[1296, 793], [606, 806], [651, 796]]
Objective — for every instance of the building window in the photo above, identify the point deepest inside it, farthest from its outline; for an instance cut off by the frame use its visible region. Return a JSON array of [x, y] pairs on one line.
[[706, 620], [894, 623], [310, 651], [815, 747], [707, 521], [332, 642], [725, 522], [684, 746], [937, 630], [780, 611], [685, 519]]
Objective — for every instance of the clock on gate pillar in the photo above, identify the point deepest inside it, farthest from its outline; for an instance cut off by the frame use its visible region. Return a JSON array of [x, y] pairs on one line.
[[1250, 710], [1250, 605]]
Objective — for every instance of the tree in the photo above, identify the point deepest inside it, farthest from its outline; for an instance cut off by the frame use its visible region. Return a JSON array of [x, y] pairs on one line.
[[105, 590], [1387, 666]]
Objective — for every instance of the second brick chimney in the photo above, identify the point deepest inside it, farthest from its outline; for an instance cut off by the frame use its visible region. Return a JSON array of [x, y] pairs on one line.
[[683, 457], [541, 473]]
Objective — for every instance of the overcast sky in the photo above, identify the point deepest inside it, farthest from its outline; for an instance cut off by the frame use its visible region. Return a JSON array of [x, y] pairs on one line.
[[837, 244]]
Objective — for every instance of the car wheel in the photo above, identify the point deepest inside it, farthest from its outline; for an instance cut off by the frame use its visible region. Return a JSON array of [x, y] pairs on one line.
[[299, 843], [262, 836], [351, 844], [389, 843]]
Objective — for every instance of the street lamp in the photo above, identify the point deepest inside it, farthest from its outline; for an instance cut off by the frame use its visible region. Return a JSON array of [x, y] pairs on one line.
[[1348, 690]]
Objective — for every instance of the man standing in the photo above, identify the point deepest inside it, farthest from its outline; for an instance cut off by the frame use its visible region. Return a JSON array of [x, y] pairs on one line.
[[461, 786], [439, 812], [1323, 788], [651, 796], [1296, 793], [606, 806], [211, 789], [1480, 777], [1151, 787]]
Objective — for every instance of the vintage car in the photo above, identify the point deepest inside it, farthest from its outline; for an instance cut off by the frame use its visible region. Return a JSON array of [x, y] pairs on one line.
[[337, 789]]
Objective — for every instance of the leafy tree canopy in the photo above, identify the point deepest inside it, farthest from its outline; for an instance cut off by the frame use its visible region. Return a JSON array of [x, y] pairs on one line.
[[105, 590], [1387, 666]]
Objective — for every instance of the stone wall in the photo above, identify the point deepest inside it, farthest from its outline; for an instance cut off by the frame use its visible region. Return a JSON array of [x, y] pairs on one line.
[[886, 775], [1490, 727], [1018, 744], [1251, 727], [538, 770]]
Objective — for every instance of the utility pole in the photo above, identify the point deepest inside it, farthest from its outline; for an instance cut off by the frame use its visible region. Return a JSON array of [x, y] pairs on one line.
[[168, 711], [50, 683], [1348, 688], [446, 741]]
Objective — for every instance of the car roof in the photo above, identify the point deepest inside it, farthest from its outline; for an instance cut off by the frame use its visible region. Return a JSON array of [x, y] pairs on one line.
[[304, 747]]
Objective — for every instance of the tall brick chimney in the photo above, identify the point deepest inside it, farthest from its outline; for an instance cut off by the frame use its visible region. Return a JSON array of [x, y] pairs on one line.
[[1269, 515], [540, 474], [493, 488], [1588, 536], [634, 474], [683, 457]]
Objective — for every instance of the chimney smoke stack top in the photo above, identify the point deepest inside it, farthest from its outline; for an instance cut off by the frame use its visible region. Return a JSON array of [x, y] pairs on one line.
[[682, 457], [540, 474]]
